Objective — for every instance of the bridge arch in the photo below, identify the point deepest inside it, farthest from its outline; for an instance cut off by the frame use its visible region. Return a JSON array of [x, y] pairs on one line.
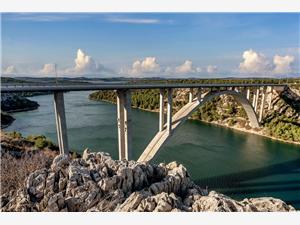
[[186, 111], [238, 97]]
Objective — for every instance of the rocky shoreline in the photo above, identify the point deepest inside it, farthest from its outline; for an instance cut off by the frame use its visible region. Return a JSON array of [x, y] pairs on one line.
[[96, 183]]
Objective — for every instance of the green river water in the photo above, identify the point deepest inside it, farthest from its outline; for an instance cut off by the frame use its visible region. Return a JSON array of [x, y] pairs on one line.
[[237, 164]]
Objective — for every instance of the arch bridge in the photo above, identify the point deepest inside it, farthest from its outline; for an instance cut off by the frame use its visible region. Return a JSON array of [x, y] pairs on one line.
[[254, 98]]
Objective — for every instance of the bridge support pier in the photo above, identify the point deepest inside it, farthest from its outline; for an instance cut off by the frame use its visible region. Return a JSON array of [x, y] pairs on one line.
[[169, 111], [248, 93], [256, 99], [161, 110], [61, 125], [262, 105], [191, 95], [270, 98], [124, 124], [199, 95]]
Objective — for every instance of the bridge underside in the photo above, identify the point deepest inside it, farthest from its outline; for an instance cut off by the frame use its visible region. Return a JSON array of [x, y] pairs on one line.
[[205, 93], [185, 112]]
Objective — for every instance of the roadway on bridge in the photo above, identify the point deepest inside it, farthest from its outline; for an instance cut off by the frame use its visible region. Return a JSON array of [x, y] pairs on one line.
[[90, 87]]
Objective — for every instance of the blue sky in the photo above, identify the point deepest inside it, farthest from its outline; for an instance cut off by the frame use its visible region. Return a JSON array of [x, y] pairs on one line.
[[151, 44]]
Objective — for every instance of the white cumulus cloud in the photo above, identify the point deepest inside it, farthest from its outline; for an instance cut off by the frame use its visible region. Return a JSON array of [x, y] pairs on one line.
[[186, 67], [211, 69], [48, 69], [254, 62], [10, 70], [85, 65], [283, 63], [147, 65], [84, 62]]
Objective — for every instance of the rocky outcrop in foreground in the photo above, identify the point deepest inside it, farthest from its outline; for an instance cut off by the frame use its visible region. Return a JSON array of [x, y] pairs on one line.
[[96, 182]]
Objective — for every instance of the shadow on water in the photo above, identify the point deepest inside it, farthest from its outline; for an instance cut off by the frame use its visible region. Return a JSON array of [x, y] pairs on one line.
[[234, 179], [240, 183], [294, 203]]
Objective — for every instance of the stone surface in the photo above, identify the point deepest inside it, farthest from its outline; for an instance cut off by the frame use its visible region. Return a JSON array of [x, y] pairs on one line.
[[98, 183]]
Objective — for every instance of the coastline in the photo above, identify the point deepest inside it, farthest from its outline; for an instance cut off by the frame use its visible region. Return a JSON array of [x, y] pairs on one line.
[[6, 120], [251, 131], [5, 125], [22, 110]]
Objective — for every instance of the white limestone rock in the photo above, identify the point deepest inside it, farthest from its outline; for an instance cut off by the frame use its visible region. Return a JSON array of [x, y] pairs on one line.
[[98, 183]]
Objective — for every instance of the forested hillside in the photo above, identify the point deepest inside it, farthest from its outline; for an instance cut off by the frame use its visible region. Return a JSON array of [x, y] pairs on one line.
[[282, 122]]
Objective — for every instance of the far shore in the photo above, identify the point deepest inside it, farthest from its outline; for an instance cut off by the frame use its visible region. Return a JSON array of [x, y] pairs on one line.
[[251, 131]]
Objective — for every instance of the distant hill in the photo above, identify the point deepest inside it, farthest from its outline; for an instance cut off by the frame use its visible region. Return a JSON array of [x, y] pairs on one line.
[[86, 80]]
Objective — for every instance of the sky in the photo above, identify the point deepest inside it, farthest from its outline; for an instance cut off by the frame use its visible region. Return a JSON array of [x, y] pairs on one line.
[[151, 44]]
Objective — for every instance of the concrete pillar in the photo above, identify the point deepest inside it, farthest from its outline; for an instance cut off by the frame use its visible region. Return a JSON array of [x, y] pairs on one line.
[[256, 99], [120, 123], [161, 110], [124, 124], [169, 110], [191, 95], [248, 93], [262, 105], [128, 125], [199, 95], [270, 98], [61, 125]]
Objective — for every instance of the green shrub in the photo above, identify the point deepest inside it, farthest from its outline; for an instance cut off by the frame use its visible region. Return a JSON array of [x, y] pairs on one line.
[[41, 142], [14, 134], [231, 122]]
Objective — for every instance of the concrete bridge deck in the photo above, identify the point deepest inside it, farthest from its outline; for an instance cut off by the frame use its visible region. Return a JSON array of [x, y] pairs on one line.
[[94, 87], [204, 93]]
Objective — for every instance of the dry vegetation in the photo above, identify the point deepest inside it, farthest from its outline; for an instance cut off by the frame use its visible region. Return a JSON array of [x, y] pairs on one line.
[[15, 170], [20, 156]]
